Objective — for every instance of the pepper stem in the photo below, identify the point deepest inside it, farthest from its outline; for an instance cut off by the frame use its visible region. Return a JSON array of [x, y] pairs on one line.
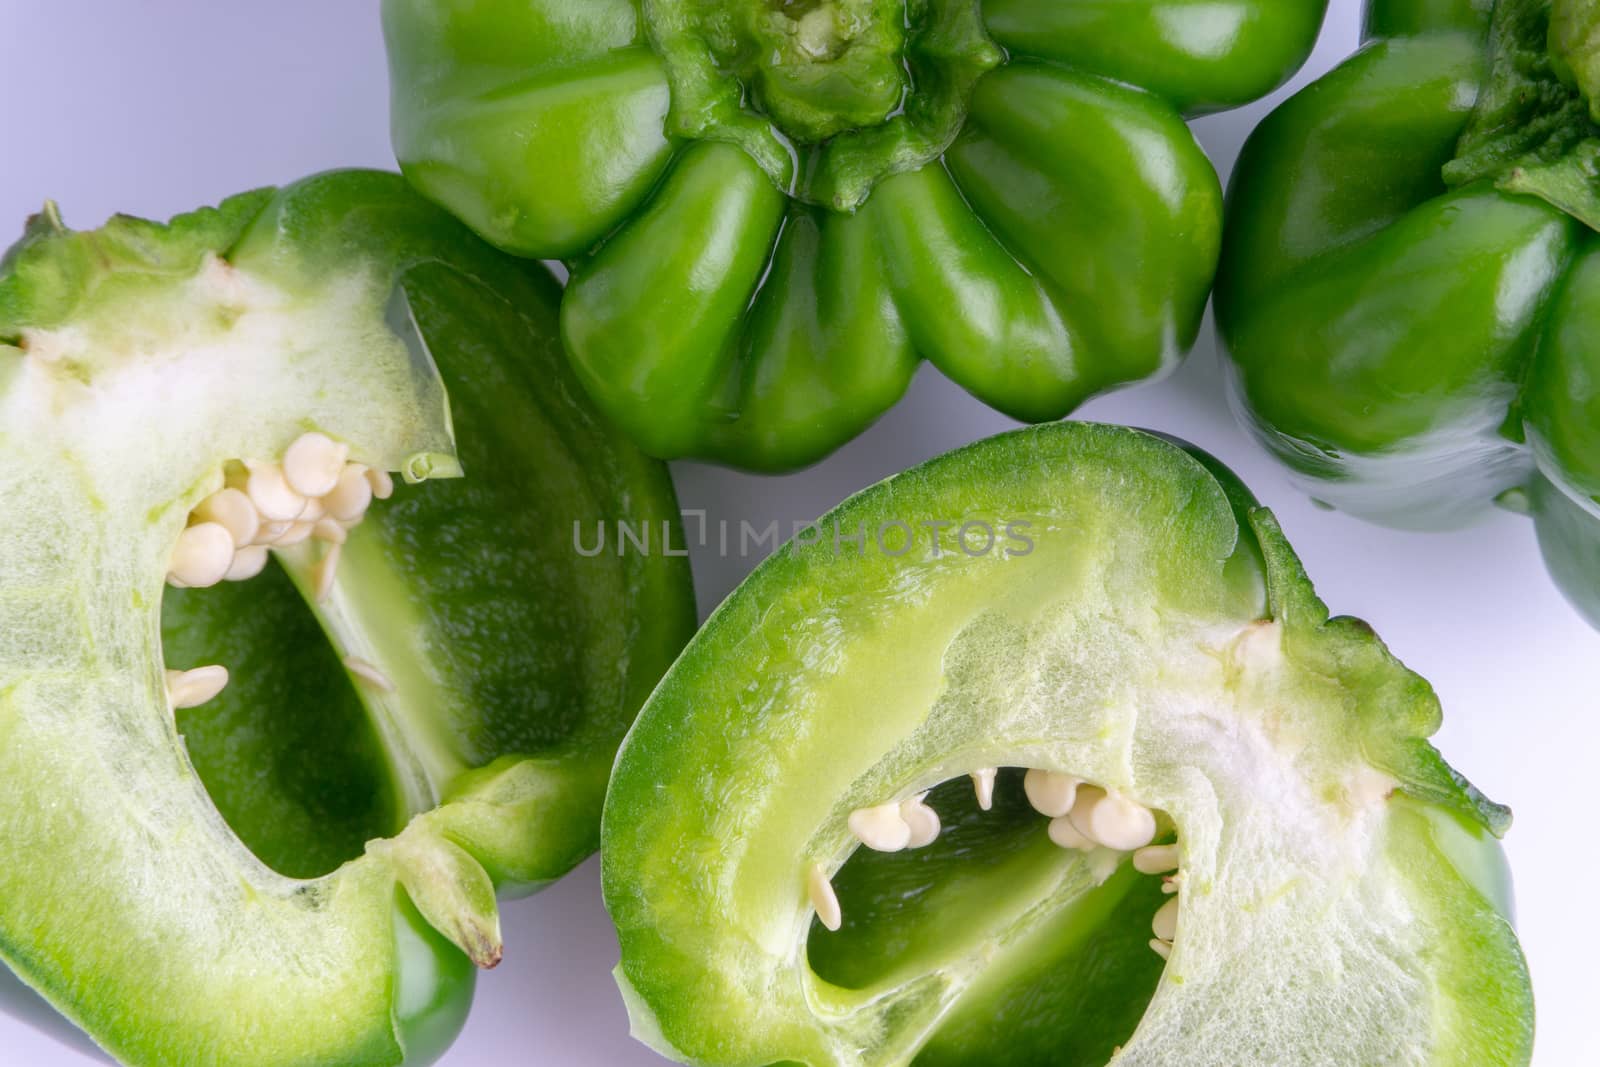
[[829, 67]]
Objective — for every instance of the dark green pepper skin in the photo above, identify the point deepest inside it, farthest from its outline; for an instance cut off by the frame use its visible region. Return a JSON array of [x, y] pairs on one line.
[[759, 266], [1413, 349]]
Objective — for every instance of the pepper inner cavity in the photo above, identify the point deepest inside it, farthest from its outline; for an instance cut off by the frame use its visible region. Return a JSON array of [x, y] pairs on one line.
[[1083, 817], [1031, 876], [272, 721]]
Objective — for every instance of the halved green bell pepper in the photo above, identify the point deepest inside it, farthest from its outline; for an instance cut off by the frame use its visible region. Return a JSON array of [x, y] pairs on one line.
[[1410, 287], [773, 211], [1144, 642], [421, 708]]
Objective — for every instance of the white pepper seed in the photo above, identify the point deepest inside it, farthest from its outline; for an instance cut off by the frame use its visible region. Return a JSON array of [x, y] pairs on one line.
[[1063, 833], [1050, 792], [326, 569], [1115, 821], [983, 783], [271, 531], [248, 562], [922, 820], [330, 530], [294, 534], [313, 463], [1156, 859], [1165, 924], [1083, 807], [233, 510], [272, 495], [190, 689], [823, 899], [351, 495], [880, 828], [203, 555], [381, 482]]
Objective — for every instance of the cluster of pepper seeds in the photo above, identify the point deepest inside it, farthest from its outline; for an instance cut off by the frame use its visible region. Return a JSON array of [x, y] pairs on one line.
[[1082, 817], [315, 493]]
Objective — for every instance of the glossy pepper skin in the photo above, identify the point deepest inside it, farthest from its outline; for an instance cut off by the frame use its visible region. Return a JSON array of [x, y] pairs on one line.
[[1138, 623], [303, 870], [1410, 286], [773, 212]]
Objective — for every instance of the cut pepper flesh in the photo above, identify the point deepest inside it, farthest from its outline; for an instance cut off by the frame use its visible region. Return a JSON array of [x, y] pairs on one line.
[[1341, 895], [138, 364]]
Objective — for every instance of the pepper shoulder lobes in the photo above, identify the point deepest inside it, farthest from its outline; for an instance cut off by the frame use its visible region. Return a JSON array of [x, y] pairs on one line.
[[1410, 287], [774, 211]]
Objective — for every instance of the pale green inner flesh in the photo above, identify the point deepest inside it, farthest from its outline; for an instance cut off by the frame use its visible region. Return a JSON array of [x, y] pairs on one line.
[[1072, 660], [133, 853], [1175, 732]]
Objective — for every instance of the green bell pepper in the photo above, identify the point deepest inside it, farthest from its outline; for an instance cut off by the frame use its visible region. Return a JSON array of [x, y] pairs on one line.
[[415, 711], [772, 211], [1410, 284], [1144, 642]]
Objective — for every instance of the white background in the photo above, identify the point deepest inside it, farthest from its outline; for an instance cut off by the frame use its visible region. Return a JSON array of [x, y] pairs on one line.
[[154, 107]]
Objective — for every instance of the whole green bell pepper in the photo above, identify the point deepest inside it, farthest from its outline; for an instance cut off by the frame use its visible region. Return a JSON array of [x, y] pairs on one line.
[[800, 870], [773, 211], [415, 711], [1410, 287]]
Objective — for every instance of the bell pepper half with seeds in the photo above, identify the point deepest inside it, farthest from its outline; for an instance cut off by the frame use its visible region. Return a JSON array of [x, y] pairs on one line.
[[1410, 285], [1120, 792], [774, 210], [281, 712]]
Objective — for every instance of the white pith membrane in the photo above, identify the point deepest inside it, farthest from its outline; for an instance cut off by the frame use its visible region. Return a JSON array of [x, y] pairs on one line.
[[1274, 861], [120, 427]]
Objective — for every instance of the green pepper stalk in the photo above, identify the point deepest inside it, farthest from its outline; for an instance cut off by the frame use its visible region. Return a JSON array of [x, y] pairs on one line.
[[1114, 790], [773, 210], [1410, 288], [274, 730]]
